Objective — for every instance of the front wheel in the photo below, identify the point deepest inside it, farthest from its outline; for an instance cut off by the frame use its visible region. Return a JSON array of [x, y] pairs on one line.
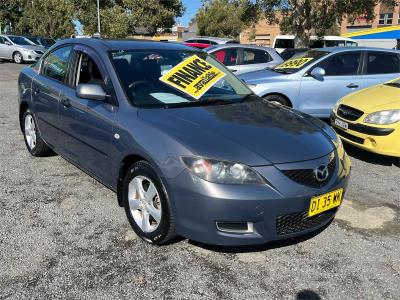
[[146, 205], [277, 99], [17, 58], [33, 141]]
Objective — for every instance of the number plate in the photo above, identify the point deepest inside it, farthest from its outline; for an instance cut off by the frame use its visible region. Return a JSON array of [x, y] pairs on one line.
[[325, 202], [341, 124]]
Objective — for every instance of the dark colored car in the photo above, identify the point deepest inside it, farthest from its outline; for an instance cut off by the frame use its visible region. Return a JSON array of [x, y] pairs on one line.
[[187, 147], [291, 52], [45, 42]]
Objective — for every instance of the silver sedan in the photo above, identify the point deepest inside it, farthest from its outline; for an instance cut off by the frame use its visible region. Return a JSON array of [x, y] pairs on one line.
[[19, 49], [245, 58]]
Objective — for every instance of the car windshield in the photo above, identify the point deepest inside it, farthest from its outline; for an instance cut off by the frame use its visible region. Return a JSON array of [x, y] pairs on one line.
[[299, 61], [176, 78], [19, 40]]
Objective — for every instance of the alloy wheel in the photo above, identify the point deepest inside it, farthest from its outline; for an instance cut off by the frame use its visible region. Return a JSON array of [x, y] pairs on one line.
[[17, 58], [144, 203], [30, 131]]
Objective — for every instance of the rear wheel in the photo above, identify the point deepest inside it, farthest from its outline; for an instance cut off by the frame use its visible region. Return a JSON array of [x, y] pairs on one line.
[[17, 58], [146, 205], [34, 143], [277, 99]]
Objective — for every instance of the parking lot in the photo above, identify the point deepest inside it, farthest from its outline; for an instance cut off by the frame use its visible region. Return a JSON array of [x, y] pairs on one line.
[[62, 235]]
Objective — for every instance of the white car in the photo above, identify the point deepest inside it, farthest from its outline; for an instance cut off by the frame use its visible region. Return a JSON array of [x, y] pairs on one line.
[[19, 49]]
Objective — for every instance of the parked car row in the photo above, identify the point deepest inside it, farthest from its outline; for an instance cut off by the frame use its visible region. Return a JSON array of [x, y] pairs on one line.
[[21, 49]]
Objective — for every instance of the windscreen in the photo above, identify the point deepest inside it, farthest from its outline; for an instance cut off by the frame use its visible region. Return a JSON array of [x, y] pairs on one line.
[[171, 78], [19, 40], [299, 62]]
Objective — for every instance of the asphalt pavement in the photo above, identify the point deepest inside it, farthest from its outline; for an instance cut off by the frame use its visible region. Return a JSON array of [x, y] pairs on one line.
[[62, 235]]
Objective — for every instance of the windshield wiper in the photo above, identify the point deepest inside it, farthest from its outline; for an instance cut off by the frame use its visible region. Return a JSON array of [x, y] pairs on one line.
[[281, 71], [394, 84], [209, 101]]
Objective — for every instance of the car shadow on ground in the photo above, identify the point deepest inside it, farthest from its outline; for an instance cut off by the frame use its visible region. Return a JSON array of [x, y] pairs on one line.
[[261, 247], [370, 157]]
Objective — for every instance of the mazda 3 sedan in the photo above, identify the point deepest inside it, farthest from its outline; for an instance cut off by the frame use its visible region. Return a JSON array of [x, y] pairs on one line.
[[186, 146]]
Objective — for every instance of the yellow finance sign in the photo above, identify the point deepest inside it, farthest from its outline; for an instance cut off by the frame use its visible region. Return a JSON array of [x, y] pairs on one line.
[[194, 76], [294, 63]]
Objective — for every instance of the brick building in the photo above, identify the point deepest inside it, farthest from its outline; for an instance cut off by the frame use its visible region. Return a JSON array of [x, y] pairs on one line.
[[264, 34]]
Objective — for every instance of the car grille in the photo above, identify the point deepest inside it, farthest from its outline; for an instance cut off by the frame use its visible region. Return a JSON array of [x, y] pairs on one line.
[[38, 52], [349, 136], [307, 176], [293, 223], [349, 113]]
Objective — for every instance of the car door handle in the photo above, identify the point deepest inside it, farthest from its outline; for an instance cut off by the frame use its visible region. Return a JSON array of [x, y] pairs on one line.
[[65, 102], [352, 86], [234, 71]]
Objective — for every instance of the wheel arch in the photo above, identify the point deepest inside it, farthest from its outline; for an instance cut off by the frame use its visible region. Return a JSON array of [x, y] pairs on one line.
[[279, 94], [125, 164], [22, 108]]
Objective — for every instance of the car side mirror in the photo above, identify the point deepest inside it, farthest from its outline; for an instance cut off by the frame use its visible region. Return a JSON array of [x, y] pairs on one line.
[[7, 43], [91, 91], [317, 72]]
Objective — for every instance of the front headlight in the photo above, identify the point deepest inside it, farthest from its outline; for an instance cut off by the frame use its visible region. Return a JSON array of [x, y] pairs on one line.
[[335, 108], [383, 117], [222, 171]]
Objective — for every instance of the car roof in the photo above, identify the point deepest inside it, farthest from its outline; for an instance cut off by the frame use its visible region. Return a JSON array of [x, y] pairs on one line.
[[211, 38], [342, 49], [222, 46], [126, 44]]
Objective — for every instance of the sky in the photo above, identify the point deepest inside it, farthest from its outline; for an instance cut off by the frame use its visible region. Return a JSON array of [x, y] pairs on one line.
[[191, 8]]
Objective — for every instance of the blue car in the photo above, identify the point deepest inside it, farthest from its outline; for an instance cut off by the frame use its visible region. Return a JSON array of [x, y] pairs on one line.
[[313, 81], [186, 146]]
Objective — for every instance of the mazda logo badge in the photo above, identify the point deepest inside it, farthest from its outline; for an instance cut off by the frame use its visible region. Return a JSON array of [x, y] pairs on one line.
[[321, 173]]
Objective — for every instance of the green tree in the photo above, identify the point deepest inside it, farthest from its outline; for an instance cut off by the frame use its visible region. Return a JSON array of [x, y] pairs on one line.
[[10, 13], [123, 17], [47, 18], [225, 18], [306, 17]]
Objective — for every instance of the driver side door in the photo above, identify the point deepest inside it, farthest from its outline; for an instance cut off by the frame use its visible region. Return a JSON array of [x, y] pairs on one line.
[[318, 96], [88, 124]]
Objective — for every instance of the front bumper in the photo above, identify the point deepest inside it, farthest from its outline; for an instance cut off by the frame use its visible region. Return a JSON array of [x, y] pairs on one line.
[[31, 56], [276, 212], [378, 139]]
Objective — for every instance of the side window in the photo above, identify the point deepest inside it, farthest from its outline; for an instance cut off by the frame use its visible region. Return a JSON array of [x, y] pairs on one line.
[[226, 56], [1, 40], [253, 56], [344, 64], [382, 63], [56, 63], [88, 71]]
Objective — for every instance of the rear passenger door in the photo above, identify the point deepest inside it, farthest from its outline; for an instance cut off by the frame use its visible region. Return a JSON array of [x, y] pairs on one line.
[[379, 67], [87, 124], [254, 59], [229, 57], [46, 88]]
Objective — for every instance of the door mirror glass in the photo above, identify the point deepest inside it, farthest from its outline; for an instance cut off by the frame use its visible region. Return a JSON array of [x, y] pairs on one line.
[[91, 91], [318, 72], [7, 43]]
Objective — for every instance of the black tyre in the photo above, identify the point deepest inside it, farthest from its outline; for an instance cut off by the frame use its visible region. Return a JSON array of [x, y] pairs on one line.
[[18, 58], [277, 99], [146, 204], [34, 143]]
